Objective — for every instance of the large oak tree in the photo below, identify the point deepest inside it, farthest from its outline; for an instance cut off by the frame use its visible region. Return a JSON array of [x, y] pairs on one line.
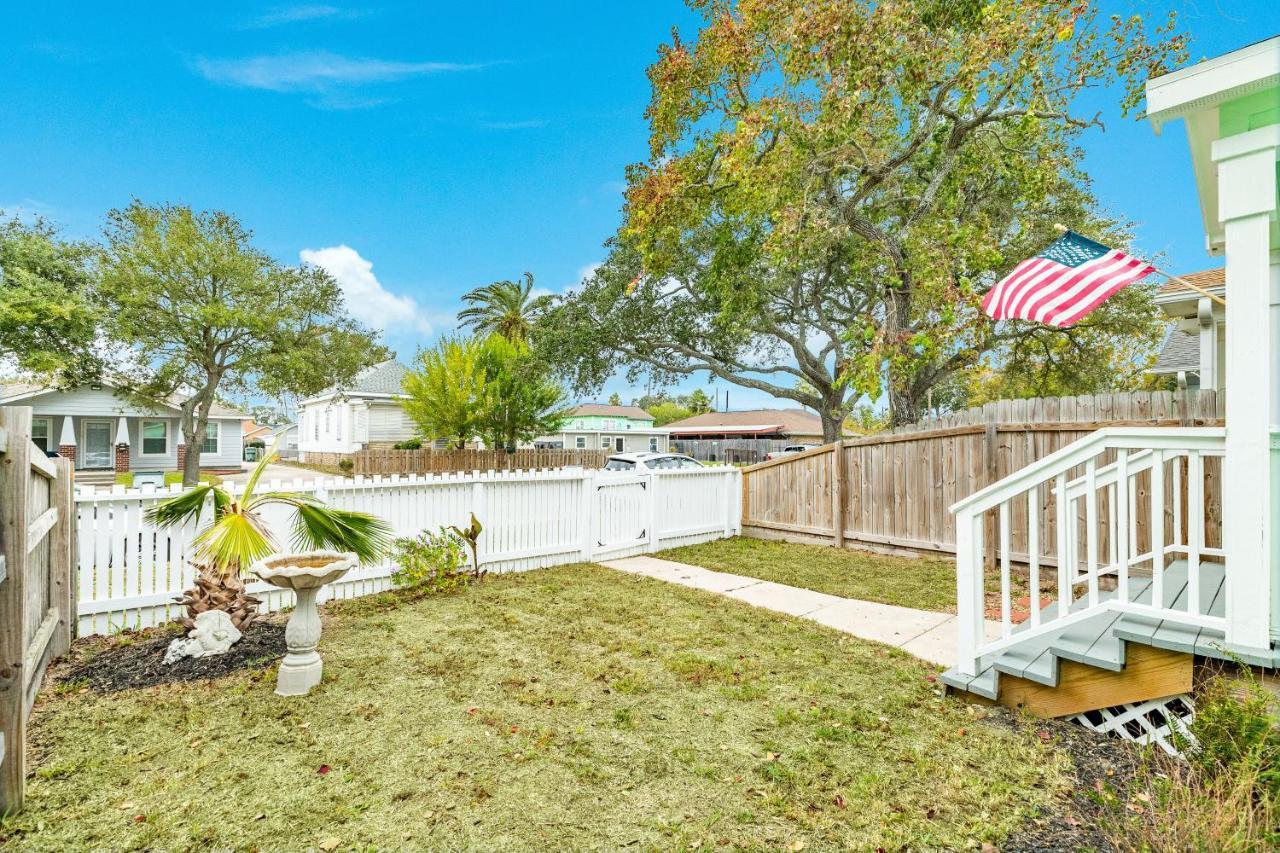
[[833, 184], [206, 314]]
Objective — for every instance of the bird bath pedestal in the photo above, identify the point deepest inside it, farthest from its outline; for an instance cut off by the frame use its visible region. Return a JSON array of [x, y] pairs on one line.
[[304, 574]]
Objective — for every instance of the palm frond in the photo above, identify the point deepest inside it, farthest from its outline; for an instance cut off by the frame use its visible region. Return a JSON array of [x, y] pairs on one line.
[[293, 499], [234, 542], [267, 458], [319, 526], [186, 506]]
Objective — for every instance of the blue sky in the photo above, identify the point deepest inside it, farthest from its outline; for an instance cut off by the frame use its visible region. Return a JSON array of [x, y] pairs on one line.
[[421, 149]]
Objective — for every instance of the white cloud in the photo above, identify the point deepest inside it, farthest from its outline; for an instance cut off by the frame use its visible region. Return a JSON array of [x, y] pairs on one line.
[[316, 71], [366, 298], [298, 13]]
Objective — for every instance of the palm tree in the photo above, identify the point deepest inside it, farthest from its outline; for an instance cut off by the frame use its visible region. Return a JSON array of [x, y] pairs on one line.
[[238, 536], [503, 307]]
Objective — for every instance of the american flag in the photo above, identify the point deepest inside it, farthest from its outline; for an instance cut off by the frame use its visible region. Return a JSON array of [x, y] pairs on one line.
[[1062, 284]]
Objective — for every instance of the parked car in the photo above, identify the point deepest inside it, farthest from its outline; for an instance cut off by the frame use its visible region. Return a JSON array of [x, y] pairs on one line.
[[650, 462], [790, 449]]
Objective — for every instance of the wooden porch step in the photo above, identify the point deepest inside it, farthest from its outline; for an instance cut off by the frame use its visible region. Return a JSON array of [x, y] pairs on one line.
[[1053, 671]]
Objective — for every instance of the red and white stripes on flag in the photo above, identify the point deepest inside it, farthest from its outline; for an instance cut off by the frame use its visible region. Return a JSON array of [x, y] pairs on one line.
[[1062, 284]]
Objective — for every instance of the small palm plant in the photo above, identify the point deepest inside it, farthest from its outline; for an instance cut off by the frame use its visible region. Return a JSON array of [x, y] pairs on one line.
[[237, 537]]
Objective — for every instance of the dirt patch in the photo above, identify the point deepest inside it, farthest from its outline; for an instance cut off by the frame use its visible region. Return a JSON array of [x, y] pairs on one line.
[[137, 661], [1103, 768]]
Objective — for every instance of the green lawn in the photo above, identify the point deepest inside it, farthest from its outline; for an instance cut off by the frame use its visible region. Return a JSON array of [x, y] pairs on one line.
[[920, 582], [569, 707]]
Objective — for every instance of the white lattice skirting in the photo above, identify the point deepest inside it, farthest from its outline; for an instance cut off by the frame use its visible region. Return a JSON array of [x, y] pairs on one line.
[[1159, 721]]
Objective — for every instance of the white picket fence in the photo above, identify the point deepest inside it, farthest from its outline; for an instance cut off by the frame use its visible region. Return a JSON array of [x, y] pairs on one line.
[[130, 571]]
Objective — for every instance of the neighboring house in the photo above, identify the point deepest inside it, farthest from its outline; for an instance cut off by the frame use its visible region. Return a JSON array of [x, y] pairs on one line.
[[620, 429], [254, 431], [366, 413], [101, 430], [795, 425], [284, 439], [1197, 347]]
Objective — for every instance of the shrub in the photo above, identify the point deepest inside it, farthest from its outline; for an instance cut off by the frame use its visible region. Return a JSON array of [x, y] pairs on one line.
[[434, 562], [408, 444], [345, 465], [1226, 795]]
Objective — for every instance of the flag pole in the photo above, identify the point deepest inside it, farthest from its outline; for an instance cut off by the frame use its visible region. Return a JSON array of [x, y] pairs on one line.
[[1182, 281]]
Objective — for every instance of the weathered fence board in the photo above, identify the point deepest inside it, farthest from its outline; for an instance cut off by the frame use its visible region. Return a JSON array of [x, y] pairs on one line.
[[37, 539], [894, 489], [387, 460], [130, 571]]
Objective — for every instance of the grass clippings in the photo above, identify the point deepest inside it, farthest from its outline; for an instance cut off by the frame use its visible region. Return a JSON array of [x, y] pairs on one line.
[[568, 707]]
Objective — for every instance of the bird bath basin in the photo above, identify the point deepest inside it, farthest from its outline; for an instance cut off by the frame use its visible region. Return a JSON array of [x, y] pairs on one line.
[[305, 574]]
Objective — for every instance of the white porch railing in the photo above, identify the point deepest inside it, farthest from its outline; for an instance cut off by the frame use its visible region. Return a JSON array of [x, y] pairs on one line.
[[1110, 509]]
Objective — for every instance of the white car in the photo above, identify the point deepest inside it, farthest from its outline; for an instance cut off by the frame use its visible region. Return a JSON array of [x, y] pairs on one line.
[[790, 449], [651, 462]]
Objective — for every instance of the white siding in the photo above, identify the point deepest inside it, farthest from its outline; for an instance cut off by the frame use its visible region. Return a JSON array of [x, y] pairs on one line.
[[388, 422], [86, 401]]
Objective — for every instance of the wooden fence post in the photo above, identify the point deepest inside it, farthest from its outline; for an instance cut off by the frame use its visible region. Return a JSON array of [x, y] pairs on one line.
[[838, 491], [62, 553], [15, 473]]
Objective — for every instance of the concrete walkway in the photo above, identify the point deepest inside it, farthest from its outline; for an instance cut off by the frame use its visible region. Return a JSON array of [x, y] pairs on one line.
[[926, 634]]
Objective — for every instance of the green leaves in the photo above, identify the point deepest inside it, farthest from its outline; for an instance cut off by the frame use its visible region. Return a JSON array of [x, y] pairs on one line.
[[492, 388], [47, 317]]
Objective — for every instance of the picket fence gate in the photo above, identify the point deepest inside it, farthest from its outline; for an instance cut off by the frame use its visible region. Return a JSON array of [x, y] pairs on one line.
[[130, 571]]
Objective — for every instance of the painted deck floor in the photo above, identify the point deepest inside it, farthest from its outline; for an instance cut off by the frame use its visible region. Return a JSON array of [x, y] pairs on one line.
[[926, 634], [1101, 640]]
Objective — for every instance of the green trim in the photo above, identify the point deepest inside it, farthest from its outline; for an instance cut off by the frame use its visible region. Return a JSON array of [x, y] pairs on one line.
[[1249, 112]]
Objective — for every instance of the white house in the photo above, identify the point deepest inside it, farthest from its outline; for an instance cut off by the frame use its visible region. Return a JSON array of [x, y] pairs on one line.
[[1197, 346], [100, 430], [365, 413]]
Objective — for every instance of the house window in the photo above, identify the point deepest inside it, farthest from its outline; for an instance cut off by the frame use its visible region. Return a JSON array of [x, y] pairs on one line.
[[338, 430], [580, 442], [617, 443], [315, 425], [40, 430], [653, 444], [210, 444], [155, 438], [604, 442]]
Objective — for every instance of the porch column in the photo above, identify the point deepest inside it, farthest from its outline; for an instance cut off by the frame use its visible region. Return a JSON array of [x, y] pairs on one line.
[[1208, 344], [67, 440], [1246, 165], [122, 446]]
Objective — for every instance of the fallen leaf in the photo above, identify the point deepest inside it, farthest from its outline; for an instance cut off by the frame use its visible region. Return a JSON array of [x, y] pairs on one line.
[[840, 801], [323, 769], [473, 711], [260, 816], [139, 818], [125, 806], [1044, 735], [772, 756], [330, 843], [797, 845]]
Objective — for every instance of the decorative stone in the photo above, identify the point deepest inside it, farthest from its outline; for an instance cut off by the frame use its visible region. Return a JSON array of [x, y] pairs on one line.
[[213, 634], [305, 574]]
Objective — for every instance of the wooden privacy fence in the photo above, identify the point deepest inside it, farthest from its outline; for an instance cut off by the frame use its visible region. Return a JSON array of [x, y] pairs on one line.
[[895, 489], [130, 571], [37, 595], [386, 460]]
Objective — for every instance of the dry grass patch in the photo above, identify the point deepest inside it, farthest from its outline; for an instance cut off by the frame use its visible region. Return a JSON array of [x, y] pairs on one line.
[[569, 707]]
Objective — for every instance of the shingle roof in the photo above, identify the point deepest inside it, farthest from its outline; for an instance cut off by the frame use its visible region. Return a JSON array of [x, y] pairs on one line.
[[613, 411], [1208, 279], [1181, 352], [10, 390], [794, 420], [384, 378]]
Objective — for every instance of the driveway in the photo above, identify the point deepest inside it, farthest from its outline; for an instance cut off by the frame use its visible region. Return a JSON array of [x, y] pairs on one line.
[[277, 471]]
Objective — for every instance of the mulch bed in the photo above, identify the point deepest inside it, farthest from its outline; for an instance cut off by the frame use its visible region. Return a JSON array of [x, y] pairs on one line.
[[139, 661], [1103, 767]]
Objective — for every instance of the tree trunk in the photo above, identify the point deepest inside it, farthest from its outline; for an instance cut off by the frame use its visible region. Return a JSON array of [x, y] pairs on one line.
[[904, 408], [195, 418]]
